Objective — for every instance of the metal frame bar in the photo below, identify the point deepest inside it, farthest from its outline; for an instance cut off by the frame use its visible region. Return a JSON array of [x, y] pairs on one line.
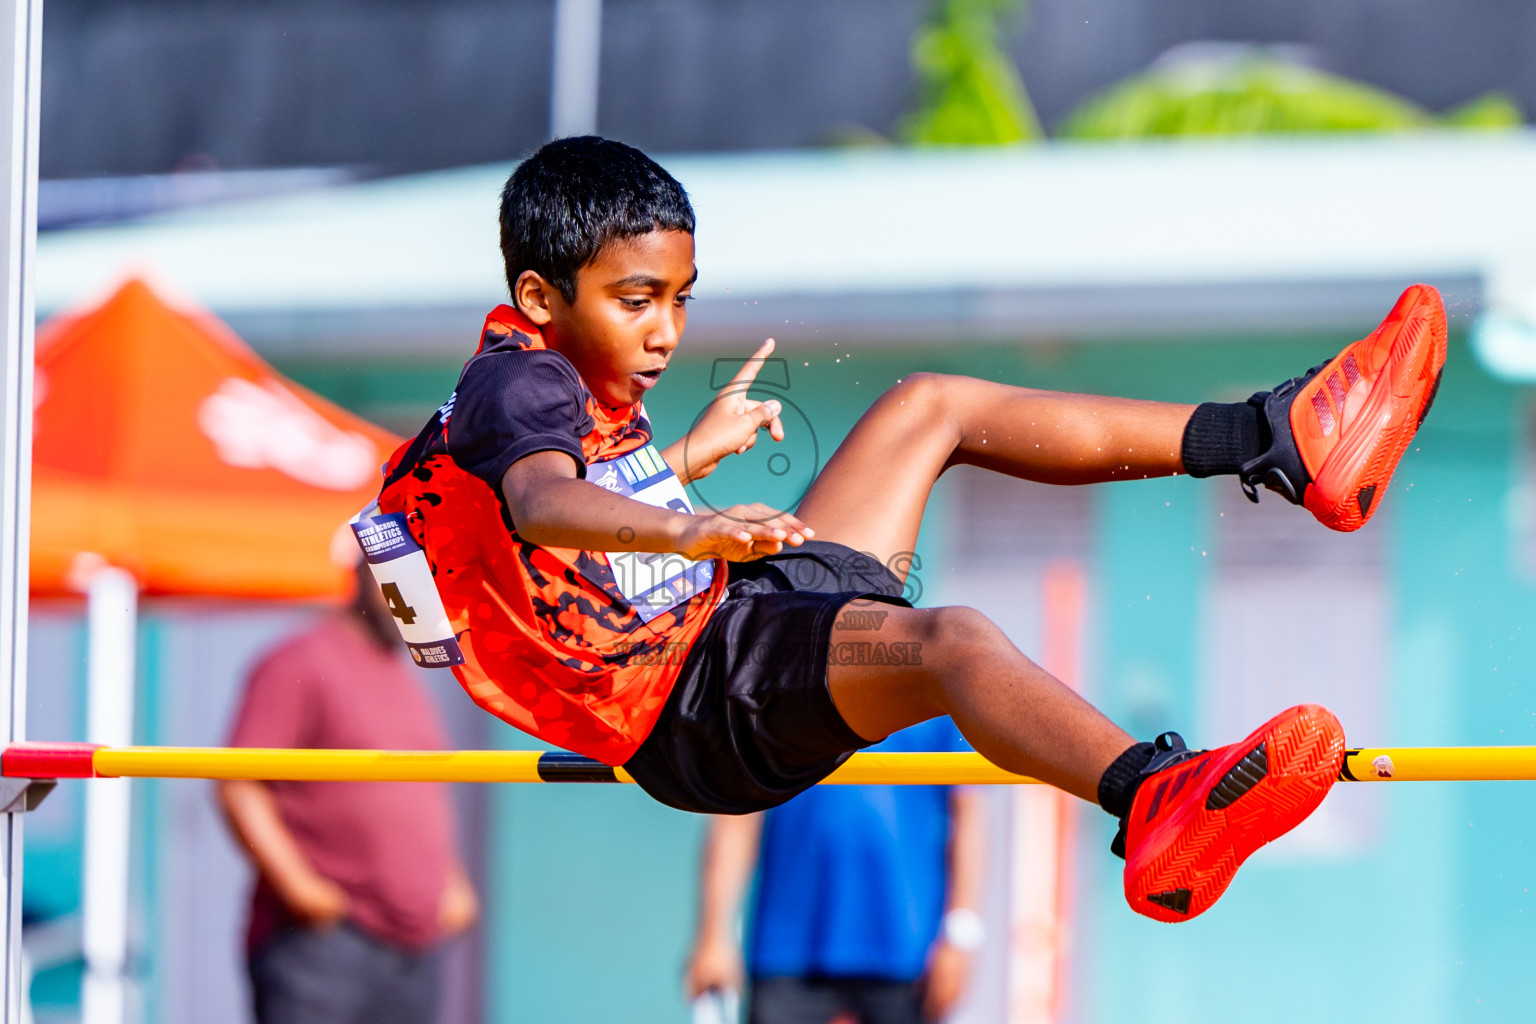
[[88, 761], [21, 28], [576, 62]]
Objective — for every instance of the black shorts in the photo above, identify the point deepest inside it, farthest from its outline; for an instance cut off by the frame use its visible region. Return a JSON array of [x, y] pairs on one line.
[[750, 722]]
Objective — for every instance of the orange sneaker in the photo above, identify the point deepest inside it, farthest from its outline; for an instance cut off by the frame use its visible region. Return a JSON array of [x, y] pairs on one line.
[[1338, 431], [1198, 815]]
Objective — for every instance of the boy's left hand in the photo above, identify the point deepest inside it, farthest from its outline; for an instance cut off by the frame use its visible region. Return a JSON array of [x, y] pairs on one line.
[[740, 533], [729, 426]]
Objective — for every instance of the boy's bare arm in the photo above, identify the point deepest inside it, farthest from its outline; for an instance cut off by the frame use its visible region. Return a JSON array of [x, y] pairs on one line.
[[551, 506]]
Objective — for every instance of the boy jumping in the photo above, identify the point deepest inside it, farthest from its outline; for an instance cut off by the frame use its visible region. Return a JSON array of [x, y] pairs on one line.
[[596, 611]]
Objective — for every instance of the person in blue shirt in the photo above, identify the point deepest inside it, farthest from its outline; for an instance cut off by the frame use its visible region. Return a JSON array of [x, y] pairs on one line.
[[866, 899]]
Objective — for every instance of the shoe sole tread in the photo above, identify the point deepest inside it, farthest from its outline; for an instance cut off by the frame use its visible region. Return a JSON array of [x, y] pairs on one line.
[[1399, 399], [1202, 847]]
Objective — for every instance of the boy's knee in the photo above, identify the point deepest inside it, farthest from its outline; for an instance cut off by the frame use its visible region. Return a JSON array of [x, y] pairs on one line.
[[960, 633], [923, 393]]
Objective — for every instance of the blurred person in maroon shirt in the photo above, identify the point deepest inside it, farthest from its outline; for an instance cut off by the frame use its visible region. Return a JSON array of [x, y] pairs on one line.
[[358, 883]]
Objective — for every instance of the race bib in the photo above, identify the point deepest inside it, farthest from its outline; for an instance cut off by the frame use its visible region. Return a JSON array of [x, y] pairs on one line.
[[652, 582], [400, 568]]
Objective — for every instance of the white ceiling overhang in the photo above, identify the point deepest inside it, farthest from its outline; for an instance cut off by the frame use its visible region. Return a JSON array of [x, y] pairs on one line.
[[1049, 240]]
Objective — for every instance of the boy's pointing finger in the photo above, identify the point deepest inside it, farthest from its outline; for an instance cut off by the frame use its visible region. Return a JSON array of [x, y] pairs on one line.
[[754, 363]]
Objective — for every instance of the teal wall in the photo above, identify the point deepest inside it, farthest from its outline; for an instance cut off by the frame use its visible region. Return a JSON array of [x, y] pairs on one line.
[[1427, 922], [590, 905], [593, 894]]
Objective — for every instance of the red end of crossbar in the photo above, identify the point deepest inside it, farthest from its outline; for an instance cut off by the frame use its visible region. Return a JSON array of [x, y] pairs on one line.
[[49, 761]]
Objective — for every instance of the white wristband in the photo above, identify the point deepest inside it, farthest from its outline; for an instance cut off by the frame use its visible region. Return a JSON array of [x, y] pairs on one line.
[[964, 929]]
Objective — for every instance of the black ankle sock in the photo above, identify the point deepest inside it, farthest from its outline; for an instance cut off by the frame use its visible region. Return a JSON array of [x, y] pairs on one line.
[[1220, 437], [1117, 786]]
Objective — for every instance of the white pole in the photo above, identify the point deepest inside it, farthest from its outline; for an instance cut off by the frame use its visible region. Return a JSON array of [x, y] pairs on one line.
[[20, 42], [578, 50], [112, 599]]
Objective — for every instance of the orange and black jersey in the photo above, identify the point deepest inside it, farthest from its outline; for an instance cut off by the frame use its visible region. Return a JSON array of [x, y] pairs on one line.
[[551, 643]]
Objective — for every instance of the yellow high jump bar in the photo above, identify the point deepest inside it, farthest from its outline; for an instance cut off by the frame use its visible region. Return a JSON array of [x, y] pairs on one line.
[[84, 761]]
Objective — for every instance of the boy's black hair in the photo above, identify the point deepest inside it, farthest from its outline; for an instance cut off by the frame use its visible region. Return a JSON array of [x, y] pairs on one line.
[[574, 196]]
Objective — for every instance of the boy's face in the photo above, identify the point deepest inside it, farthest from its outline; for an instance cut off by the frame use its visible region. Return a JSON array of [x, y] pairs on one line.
[[630, 308]]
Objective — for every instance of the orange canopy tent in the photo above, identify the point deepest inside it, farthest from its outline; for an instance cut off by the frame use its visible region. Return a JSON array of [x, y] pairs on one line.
[[163, 445], [167, 458]]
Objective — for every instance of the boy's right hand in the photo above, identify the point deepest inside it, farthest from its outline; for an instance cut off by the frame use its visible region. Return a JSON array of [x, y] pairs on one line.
[[742, 533]]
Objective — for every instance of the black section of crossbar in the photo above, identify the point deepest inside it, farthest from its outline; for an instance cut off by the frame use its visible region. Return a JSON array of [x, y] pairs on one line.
[[563, 766]]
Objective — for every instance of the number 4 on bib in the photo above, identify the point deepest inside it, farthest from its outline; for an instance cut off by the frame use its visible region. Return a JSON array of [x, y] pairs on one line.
[[397, 606], [400, 568]]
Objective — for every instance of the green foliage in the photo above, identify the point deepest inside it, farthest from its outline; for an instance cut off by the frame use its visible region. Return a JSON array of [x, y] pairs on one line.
[[1252, 94], [971, 94], [1492, 110]]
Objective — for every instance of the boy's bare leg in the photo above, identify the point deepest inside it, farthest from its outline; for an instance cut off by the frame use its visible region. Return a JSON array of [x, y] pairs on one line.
[[872, 492], [1188, 819], [1185, 836], [1012, 711], [871, 497]]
